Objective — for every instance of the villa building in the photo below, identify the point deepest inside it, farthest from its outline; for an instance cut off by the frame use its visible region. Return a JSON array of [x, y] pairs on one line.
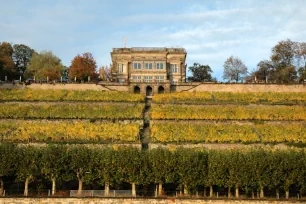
[[149, 70]]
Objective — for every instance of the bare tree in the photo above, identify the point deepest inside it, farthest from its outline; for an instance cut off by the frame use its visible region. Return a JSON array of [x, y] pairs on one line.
[[105, 73], [234, 69]]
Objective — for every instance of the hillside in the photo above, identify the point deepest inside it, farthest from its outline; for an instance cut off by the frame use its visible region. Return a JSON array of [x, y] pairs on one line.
[[102, 133]]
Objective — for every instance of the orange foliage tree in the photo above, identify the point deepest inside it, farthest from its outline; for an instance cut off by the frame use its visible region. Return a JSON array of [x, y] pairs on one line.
[[7, 66], [82, 67]]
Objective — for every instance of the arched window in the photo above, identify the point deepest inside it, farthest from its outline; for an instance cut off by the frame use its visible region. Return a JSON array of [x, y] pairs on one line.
[[149, 91], [161, 90], [136, 90]]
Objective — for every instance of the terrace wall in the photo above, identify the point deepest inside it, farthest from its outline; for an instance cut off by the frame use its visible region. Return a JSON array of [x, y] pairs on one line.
[[131, 201], [188, 87], [241, 88]]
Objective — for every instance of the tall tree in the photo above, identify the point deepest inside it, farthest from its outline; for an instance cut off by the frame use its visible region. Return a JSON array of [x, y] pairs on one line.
[[45, 64], [21, 56], [200, 73], [234, 69], [265, 71], [283, 57], [82, 67], [7, 66]]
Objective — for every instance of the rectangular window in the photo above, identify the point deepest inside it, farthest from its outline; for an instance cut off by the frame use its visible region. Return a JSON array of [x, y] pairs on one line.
[[159, 78], [136, 65], [148, 66], [175, 68], [148, 78], [159, 65], [120, 68], [136, 78]]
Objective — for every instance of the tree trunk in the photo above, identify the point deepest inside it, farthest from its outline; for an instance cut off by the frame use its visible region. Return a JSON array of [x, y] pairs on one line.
[[262, 194], [277, 193], [229, 192], [204, 192], [287, 194], [211, 191], [80, 186], [106, 190], [133, 189], [181, 188], [253, 196], [237, 191], [185, 190], [26, 184], [160, 189], [1, 187], [53, 186]]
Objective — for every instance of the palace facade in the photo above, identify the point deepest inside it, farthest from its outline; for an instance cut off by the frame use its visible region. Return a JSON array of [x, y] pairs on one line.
[[149, 70]]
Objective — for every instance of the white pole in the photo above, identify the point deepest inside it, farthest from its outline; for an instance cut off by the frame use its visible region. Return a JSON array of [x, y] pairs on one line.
[[20, 78], [5, 78], [47, 79], [74, 79]]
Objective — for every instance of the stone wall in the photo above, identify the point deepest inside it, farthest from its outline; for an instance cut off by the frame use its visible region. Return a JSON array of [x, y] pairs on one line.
[[190, 87], [243, 88], [97, 87], [130, 201]]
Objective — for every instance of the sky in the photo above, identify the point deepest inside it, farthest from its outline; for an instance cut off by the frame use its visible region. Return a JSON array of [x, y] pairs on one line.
[[210, 30]]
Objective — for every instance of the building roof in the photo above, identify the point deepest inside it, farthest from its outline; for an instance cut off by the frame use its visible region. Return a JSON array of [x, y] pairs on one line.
[[149, 49]]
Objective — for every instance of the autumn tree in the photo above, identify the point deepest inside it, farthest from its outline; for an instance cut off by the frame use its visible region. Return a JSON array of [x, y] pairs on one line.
[[234, 69], [283, 57], [82, 67], [45, 64], [7, 66], [21, 56], [265, 70], [105, 73], [200, 73]]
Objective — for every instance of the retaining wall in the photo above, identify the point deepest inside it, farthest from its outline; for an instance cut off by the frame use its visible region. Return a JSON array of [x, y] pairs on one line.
[[130, 201], [245, 88]]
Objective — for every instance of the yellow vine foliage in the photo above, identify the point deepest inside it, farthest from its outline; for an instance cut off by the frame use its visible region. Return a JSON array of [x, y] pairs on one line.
[[71, 111], [169, 132], [67, 131], [220, 112], [197, 132], [230, 97], [67, 95]]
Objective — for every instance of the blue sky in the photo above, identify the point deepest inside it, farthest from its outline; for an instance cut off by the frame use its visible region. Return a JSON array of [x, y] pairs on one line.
[[211, 31]]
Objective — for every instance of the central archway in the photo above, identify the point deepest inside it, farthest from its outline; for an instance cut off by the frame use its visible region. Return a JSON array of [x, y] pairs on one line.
[[149, 91], [161, 90], [136, 90]]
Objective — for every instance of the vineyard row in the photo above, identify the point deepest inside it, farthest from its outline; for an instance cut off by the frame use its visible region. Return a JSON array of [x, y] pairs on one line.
[[230, 97], [71, 111], [68, 131], [67, 95], [184, 112]]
